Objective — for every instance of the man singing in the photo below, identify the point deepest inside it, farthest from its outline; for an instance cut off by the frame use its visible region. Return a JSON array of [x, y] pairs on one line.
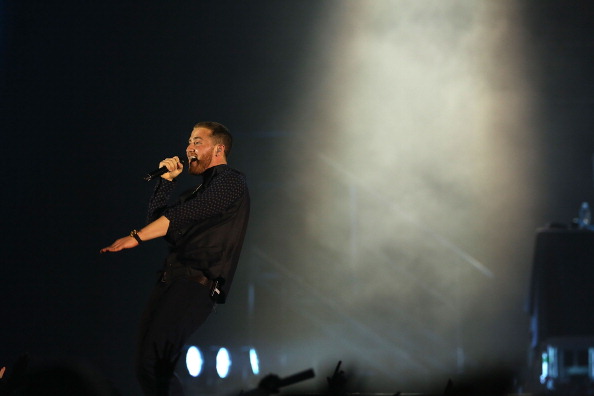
[[205, 229]]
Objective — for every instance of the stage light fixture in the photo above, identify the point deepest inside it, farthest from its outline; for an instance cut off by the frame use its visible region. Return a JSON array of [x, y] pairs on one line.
[[254, 361], [194, 361], [223, 362]]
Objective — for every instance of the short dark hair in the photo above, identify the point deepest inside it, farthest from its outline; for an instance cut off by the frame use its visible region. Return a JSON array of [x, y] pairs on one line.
[[220, 133]]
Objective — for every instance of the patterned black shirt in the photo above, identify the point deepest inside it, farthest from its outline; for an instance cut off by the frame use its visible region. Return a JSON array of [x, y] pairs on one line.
[[221, 187]]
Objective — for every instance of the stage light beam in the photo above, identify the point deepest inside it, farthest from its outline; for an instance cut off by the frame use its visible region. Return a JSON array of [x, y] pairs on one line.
[[427, 110], [223, 362], [254, 361], [194, 361]]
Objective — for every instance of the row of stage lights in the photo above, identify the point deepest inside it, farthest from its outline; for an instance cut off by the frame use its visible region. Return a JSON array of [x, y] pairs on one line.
[[198, 360]]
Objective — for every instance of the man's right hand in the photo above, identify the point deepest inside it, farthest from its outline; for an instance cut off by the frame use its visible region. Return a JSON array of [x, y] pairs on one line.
[[174, 166], [126, 242]]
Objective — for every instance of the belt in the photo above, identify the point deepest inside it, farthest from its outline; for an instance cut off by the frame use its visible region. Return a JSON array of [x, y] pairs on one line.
[[203, 280], [216, 294], [196, 276], [171, 273]]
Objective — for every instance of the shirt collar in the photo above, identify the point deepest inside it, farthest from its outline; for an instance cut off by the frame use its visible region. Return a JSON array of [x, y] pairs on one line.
[[211, 172]]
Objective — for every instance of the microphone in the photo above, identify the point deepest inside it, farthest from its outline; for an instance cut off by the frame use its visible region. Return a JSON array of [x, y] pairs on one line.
[[162, 170]]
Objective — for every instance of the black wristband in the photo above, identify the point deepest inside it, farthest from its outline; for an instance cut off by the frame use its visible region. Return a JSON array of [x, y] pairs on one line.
[[134, 234]]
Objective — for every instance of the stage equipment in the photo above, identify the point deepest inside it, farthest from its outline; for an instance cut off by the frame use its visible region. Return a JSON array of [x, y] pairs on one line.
[[194, 361]]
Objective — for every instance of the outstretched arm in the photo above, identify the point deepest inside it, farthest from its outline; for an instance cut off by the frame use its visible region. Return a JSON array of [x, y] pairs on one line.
[[156, 229]]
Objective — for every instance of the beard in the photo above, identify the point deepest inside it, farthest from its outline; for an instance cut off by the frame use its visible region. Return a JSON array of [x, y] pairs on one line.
[[197, 167]]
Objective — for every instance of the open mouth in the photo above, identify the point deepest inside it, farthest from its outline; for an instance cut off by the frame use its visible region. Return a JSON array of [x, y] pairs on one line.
[[192, 158]]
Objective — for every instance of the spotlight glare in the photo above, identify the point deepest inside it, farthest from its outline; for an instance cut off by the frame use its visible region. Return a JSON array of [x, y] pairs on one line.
[[223, 362], [194, 361], [254, 361]]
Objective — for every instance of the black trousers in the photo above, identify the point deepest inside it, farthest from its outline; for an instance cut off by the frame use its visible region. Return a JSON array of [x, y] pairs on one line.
[[175, 310]]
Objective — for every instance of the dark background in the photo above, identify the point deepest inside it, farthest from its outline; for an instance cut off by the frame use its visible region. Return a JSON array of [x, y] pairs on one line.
[[95, 94]]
